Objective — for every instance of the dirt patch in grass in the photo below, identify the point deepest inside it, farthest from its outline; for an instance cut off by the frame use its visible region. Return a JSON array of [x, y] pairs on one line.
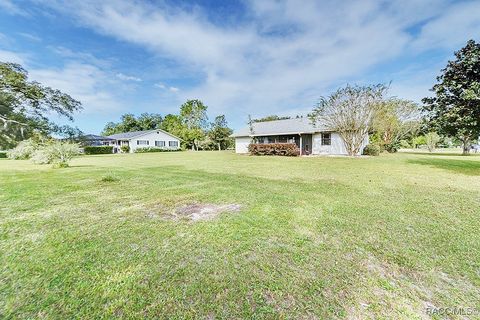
[[203, 211], [191, 212]]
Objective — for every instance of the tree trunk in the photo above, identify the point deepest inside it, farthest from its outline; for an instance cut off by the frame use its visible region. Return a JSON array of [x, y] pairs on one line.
[[219, 147], [466, 146]]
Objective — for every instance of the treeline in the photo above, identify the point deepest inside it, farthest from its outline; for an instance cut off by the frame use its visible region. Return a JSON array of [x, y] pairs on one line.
[[190, 124]]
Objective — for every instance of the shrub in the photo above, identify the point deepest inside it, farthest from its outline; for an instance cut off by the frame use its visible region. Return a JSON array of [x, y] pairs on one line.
[[371, 150], [98, 149], [154, 149], [274, 149], [3, 154], [404, 144], [432, 138], [23, 150], [109, 178], [125, 149], [392, 147], [57, 153]]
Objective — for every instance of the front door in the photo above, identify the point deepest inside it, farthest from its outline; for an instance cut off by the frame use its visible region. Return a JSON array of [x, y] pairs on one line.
[[306, 144]]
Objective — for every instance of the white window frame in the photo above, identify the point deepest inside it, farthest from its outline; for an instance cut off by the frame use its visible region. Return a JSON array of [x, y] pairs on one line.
[[159, 143], [173, 144], [143, 142]]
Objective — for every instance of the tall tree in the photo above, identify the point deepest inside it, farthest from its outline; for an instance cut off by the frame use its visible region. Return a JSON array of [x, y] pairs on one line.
[[349, 111], [394, 120], [194, 116], [128, 122], [455, 108], [220, 132], [172, 123], [25, 105]]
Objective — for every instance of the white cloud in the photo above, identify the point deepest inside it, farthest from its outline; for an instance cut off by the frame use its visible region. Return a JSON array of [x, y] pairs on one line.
[[451, 29], [30, 36], [10, 7], [10, 56], [84, 82], [165, 87], [124, 77], [287, 53]]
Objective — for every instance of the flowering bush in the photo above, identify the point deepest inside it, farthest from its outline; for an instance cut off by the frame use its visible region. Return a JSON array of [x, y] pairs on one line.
[[57, 153], [23, 150], [274, 149]]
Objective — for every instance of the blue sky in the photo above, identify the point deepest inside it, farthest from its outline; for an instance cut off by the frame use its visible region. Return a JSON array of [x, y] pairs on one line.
[[239, 57]]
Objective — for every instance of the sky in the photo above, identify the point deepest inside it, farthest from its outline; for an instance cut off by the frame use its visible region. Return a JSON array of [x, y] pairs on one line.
[[239, 57]]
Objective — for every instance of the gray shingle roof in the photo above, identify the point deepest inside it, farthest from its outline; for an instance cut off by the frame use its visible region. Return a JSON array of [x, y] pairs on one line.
[[94, 137], [128, 135], [133, 134], [288, 126]]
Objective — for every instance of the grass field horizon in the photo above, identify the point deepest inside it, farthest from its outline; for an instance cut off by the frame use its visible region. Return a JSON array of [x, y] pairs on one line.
[[315, 238]]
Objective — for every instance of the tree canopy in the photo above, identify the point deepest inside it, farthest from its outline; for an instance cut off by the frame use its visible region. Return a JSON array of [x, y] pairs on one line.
[[25, 105], [193, 114], [393, 120], [220, 133], [455, 108], [128, 122], [349, 111]]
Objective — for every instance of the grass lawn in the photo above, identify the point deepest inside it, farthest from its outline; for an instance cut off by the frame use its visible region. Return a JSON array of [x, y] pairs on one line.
[[382, 237]]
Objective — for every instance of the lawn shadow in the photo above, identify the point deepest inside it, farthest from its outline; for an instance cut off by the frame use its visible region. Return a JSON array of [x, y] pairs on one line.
[[471, 168], [446, 154]]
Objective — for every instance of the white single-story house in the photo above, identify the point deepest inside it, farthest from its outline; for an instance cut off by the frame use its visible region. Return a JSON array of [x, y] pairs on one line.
[[311, 139], [143, 139]]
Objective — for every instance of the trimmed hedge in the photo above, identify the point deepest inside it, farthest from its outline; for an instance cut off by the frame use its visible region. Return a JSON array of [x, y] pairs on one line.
[[125, 149], [3, 154], [154, 149], [371, 150], [98, 149], [274, 149]]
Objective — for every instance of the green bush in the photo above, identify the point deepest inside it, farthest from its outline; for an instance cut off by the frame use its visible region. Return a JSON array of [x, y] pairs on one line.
[[404, 144], [3, 154], [392, 147], [98, 149], [125, 149], [154, 149], [371, 150], [274, 149]]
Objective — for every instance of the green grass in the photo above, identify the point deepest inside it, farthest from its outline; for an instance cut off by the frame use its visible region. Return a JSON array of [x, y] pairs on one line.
[[380, 237]]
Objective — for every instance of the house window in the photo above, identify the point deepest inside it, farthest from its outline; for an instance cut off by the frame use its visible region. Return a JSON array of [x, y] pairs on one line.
[[326, 139], [173, 144], [142, 142], [159, 143]]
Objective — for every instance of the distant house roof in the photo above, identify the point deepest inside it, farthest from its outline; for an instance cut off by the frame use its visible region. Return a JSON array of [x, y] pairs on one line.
[[133, 134], [280, 127], [94, 137]]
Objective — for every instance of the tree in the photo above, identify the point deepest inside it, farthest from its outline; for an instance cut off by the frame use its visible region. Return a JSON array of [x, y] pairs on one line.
[[172, 123], [455, 108], [128, 123], [193, 114], [25, 105], [220, 132], [394, 120], [431, 139], [272, 117], [349, 111]]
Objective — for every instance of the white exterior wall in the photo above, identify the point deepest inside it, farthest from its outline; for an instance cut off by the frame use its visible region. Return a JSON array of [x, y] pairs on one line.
[[151, 138], [241, 144], [337, 147]]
